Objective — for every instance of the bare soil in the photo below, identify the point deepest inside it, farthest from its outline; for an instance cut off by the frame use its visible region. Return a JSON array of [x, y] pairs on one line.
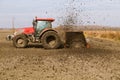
[[100, 62]]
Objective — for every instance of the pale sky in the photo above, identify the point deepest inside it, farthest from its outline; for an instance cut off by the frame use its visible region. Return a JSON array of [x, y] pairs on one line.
[[90, 12]]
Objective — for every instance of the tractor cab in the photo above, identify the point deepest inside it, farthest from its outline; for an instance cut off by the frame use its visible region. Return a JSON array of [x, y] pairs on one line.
[[39, 24]]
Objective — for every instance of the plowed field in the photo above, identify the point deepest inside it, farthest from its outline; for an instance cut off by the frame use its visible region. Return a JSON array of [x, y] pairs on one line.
[[100, 62]]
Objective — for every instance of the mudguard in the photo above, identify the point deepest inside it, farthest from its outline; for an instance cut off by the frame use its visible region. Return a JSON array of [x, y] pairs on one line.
[[45, 30]]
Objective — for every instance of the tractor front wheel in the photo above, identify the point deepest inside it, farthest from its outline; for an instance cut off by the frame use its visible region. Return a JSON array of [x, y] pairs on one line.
[[50, 40], [20, 41]]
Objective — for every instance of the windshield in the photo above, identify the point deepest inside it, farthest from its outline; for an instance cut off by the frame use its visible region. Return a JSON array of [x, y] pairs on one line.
[[43, 24], [40, 25]]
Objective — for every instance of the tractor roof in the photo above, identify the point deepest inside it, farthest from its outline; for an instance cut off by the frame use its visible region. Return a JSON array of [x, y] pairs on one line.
[[45, 19]]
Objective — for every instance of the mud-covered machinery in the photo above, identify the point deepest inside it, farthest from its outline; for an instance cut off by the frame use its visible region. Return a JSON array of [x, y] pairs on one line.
[[42, 32], [75, 39]]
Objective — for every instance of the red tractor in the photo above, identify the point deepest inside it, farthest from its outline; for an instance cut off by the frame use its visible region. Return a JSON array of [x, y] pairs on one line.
[[41, 32]]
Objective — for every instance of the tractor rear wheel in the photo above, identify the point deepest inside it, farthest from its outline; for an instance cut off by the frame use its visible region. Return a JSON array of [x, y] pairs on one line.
[[20, 41], [50, 40]]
